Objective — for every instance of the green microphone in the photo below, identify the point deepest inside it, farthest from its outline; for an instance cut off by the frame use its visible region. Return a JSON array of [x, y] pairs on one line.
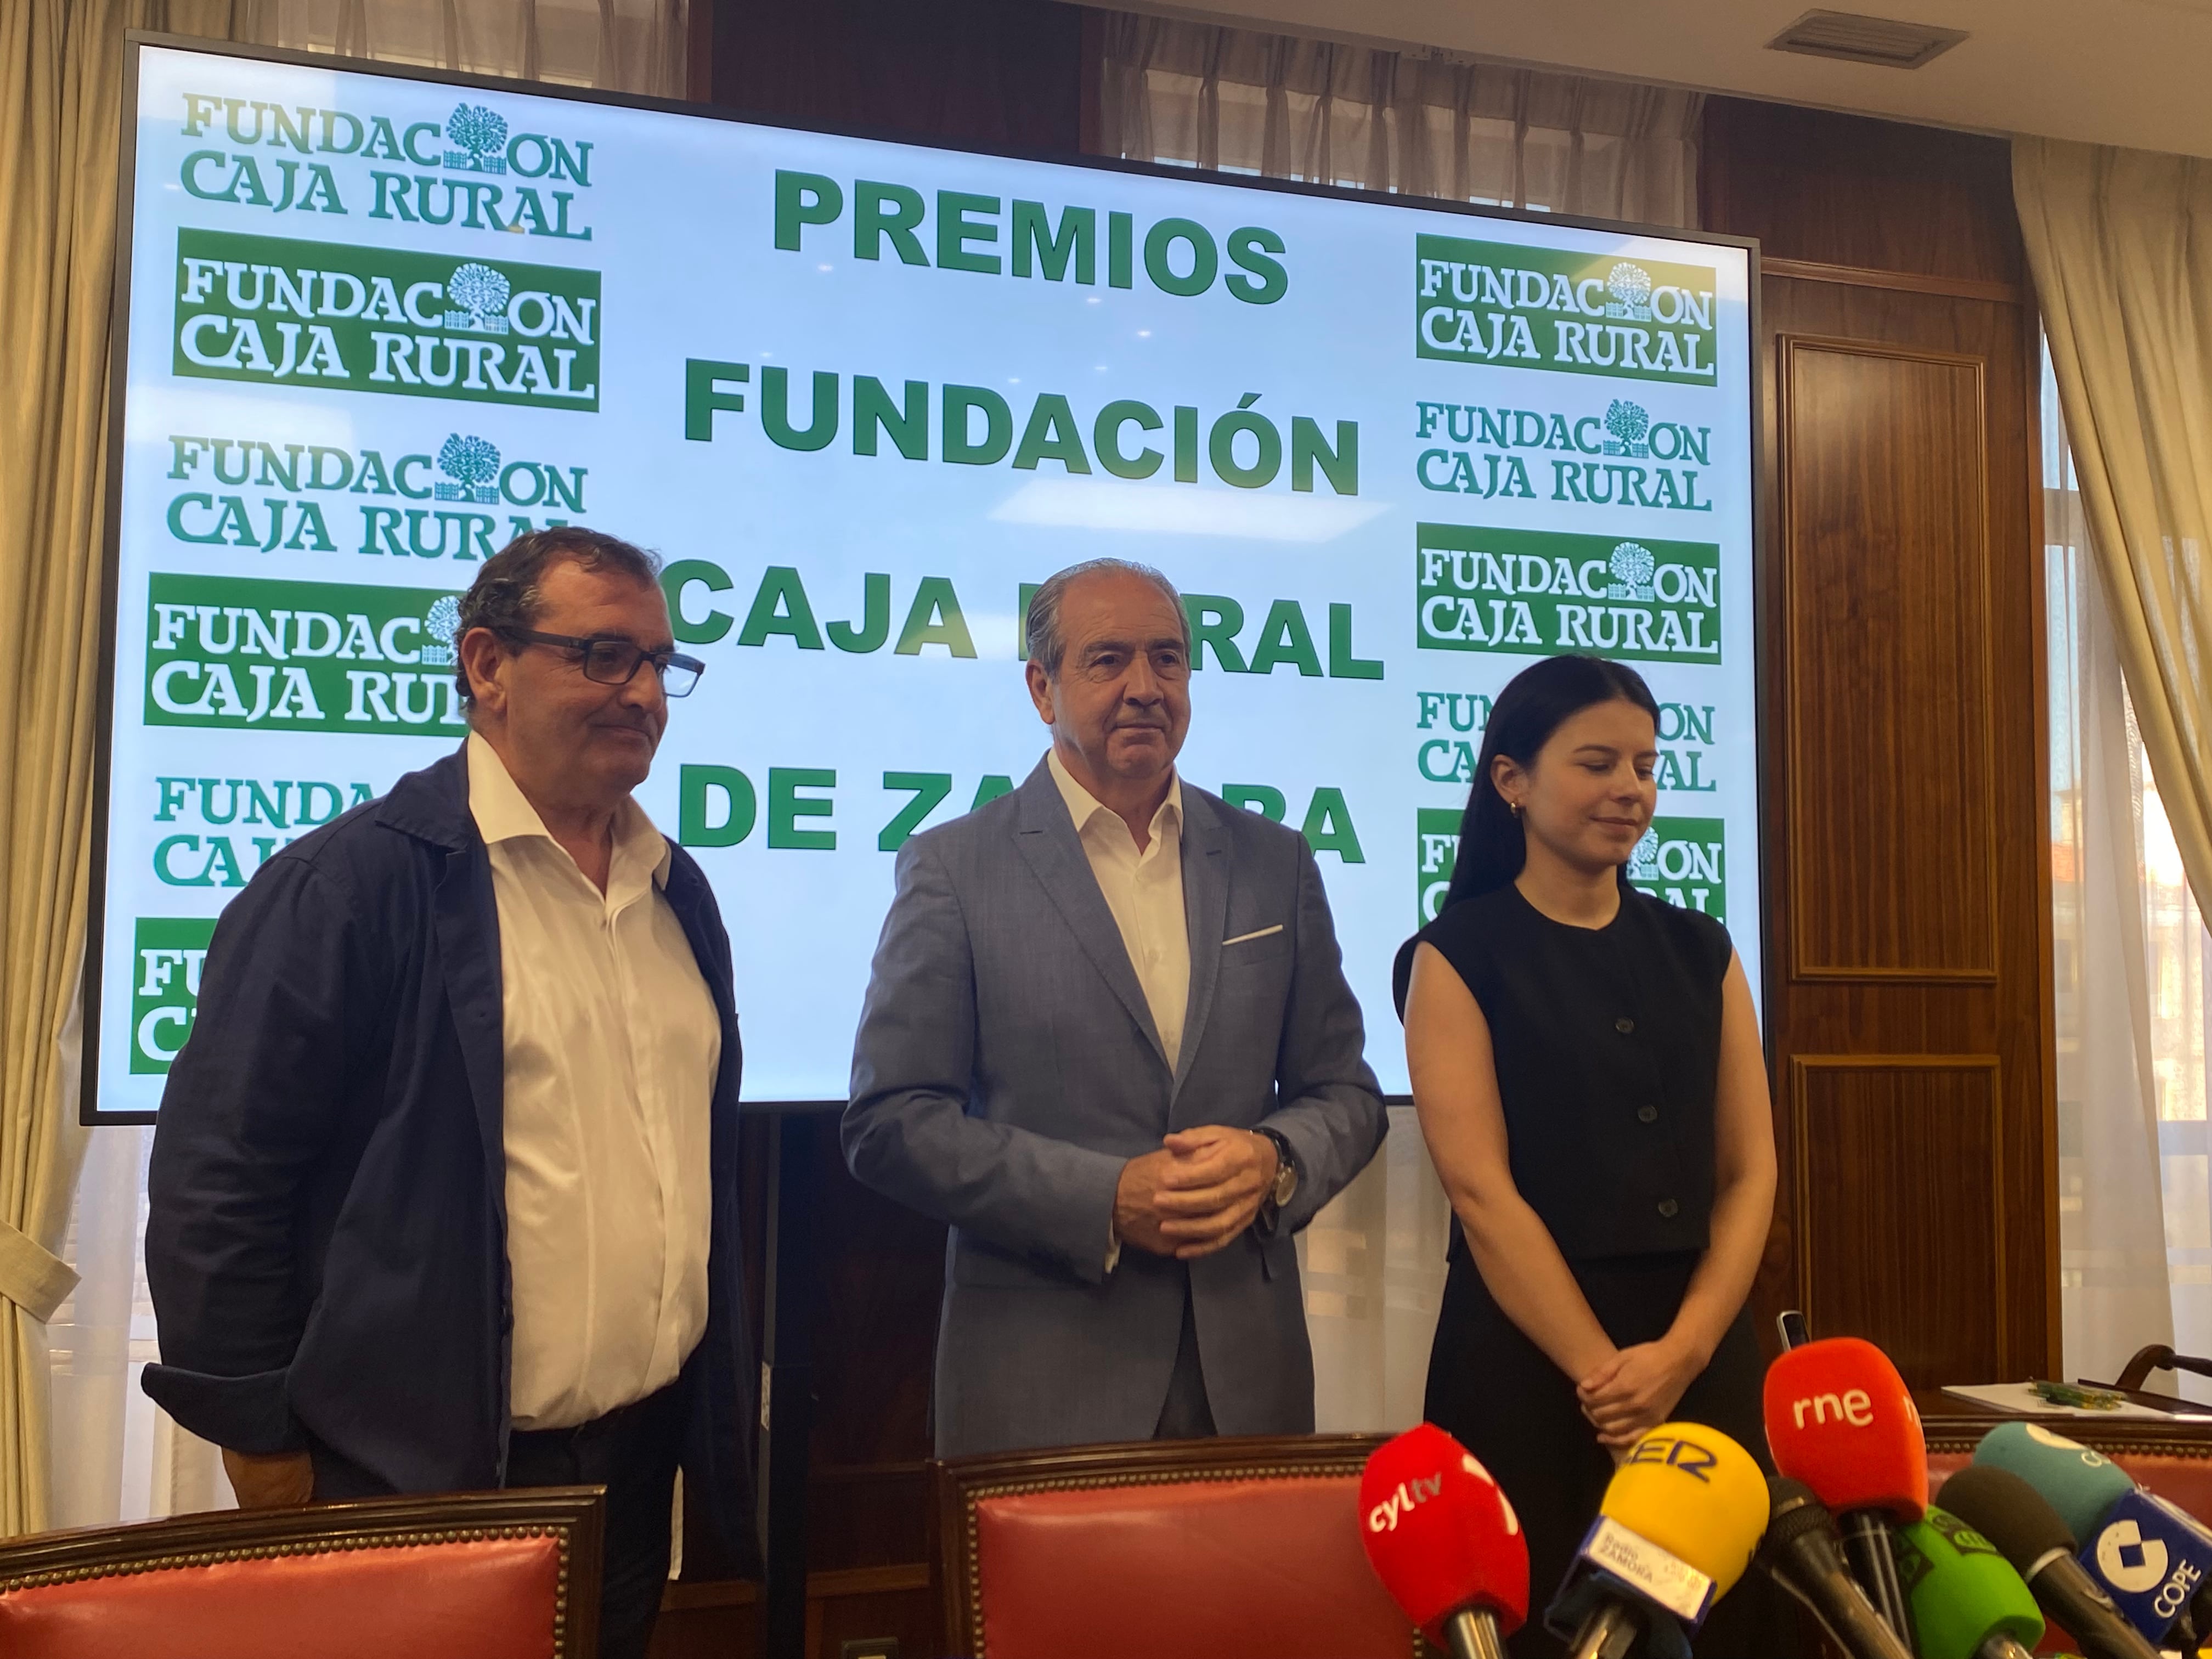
[[1967, 1601]]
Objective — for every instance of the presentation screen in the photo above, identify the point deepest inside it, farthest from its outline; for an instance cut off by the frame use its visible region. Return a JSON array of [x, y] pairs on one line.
[[861, 397]]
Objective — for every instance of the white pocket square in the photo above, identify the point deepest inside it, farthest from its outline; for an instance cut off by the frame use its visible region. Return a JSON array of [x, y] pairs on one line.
[[1261, 933]]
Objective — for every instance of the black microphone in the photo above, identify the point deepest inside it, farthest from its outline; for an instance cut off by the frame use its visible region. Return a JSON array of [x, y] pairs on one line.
[[2028, 1533], [1802, 1553]]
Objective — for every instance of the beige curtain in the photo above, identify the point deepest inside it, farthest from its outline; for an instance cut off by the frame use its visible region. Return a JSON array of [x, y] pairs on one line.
[[2120, 242], [618, 46], [60, 126], [1236, 100]]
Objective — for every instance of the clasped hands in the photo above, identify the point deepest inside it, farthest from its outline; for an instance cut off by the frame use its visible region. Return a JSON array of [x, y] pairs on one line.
[[1637, 1390], [1199, 1191]]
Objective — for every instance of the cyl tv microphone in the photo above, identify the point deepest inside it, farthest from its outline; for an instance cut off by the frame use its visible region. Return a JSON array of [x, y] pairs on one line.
[[1801, 1553], [1840, 1419], [1445, 1542], [1675, 1531], [2150, 1558], [1967, 1602], [2012, 1515]]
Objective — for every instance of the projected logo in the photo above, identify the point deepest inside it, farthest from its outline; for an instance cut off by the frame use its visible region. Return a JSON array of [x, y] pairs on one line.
[[1685, 862], [1535, 593], [1577, 314], [380, 319], [236, 653], [1619, 457], [1437, 838], [166, 952], [262, 493]]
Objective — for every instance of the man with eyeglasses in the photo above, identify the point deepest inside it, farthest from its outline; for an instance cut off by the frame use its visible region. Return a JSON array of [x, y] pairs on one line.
[[1109, 1040], [444, 1184]]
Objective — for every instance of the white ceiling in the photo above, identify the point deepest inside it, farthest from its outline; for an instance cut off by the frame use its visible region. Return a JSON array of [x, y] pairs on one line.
[[2131, 72]]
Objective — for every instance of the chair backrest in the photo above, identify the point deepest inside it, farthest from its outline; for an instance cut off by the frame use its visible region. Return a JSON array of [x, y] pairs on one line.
[[1184, 1549], [506, 1574]]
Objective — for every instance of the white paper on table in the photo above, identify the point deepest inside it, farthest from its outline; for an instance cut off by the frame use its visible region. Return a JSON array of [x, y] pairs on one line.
[[2023, 1400]]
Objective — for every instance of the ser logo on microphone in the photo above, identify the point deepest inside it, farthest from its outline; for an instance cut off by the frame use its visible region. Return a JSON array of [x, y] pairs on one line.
[[1853, 1406], [1687, 1456], [1383, 1518]]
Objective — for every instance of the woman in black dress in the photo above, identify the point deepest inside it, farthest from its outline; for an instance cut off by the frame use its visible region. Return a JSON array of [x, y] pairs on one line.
[[1586, 1067]]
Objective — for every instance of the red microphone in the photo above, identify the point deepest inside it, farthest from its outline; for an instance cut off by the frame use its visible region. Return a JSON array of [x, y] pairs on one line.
[[1840, 1419], [1445, 1542]]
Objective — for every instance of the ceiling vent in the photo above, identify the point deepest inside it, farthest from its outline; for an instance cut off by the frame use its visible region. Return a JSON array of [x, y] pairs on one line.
[[1866, 40]]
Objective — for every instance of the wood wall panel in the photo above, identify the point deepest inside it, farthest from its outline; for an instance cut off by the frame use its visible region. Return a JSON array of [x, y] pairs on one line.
[[1885, 565], [1900, 1193]]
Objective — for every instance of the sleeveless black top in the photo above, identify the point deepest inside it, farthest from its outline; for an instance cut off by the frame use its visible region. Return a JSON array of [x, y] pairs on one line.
[[1607, 1045]]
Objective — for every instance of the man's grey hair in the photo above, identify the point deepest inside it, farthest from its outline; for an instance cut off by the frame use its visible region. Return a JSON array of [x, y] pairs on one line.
[[1047, 645], [508, 592]]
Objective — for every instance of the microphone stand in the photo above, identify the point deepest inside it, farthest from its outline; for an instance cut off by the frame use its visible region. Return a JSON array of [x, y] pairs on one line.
[[1866, 1543], [1473, 1635]]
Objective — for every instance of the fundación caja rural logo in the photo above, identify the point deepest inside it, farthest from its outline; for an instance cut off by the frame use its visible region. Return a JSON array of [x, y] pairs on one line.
[[166, 952], [258, 308], [1512, 305], [1682, 860], [237, 653], [1533, 592]]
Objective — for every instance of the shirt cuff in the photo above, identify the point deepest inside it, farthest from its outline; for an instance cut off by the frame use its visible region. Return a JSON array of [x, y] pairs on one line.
[[1113, 1249]]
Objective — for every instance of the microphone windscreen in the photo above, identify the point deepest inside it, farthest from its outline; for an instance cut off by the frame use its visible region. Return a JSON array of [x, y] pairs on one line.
[[2081, 1484], [1840, 1419], [2150, 1558], [2008, 1512], [1794, 1509], [1695, 1494], [1440, 1533], [1961, 1590]]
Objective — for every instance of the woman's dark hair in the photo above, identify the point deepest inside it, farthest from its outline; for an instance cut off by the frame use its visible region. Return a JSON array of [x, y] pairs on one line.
[[1535, 702]]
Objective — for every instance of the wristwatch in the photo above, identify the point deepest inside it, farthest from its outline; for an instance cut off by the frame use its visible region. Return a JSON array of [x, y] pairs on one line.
[[1286, 1183]]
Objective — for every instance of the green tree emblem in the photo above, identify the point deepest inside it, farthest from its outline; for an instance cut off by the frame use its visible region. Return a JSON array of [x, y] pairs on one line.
[[1628, 423], [1632, 566], [481, 135], [1644, 862], [1630, 287], [482, 294], [443, 621], [472, 464]]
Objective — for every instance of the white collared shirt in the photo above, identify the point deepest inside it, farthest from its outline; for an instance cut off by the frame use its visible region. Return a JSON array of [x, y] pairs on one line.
[[1144, 892], [612, 1042]]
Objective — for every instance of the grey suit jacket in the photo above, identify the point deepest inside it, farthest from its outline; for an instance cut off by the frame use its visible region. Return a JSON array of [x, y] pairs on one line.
[[1007, 1066]]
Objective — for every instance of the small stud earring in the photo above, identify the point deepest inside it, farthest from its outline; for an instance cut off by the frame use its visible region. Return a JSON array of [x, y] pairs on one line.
[[1516, 805]]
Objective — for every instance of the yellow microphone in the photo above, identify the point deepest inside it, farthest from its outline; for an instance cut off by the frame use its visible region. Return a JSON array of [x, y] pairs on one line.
[[1677, 1528]]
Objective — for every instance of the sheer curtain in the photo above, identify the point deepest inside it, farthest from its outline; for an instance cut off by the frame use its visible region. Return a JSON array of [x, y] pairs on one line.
[[2131, 957], [1238, 101], [115, 1457]]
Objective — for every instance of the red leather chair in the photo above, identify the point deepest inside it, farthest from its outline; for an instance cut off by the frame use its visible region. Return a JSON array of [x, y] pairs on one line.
[[508, 1574], [1172, 1550]]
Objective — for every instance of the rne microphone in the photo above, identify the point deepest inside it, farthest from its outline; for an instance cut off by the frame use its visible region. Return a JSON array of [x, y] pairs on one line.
[[2014, 1516], [1840, 1419], [1676, 1530], [1442, 1538], [2150, 1558], [1967, 1602], [1801, 1553]]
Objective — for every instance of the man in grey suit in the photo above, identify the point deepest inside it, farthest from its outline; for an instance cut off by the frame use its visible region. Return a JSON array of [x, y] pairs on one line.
[[1109, 1040]]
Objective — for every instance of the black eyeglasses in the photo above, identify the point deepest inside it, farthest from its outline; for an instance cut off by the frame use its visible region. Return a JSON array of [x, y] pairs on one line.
[[612, 660]]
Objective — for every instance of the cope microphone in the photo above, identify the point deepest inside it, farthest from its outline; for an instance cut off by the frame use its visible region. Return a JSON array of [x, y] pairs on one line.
[[1801, 1553], [1840, 1419], [2150, 1558], [1967, 1602], [2013, 1515], [1445, 1542], [1676, 1530]]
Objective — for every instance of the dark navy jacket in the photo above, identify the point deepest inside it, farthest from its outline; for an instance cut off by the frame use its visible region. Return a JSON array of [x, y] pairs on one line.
[[326, 1243]]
